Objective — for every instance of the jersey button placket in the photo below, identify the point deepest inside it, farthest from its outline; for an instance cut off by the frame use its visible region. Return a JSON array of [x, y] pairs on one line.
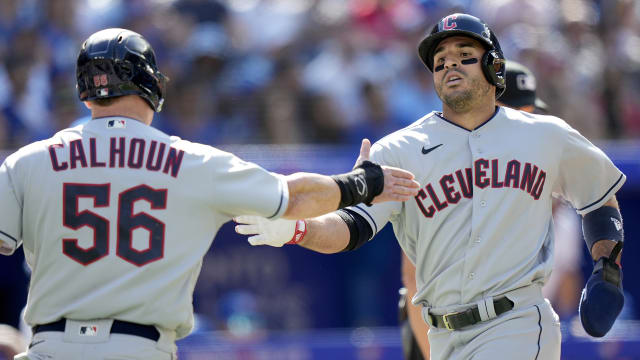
[[477, 214]]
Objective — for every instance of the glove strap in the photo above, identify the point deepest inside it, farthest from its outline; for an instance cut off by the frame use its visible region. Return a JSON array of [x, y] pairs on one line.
[[616, 250], [301, 231], [610, 270]]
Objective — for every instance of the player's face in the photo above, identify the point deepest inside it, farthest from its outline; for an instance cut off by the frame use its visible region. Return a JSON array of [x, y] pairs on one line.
[[457, 73]]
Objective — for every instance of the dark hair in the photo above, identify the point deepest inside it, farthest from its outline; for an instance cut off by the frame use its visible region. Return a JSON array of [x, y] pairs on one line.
[[105, 101]]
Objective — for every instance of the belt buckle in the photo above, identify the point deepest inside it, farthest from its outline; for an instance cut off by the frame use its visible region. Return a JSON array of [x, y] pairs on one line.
[[447, 325]]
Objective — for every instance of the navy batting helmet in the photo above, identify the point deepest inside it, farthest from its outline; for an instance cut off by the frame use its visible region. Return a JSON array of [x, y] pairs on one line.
[[116, 62], [466, 25]]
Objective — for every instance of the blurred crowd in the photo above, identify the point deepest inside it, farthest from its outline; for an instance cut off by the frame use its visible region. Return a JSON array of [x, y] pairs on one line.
[[314, 71], [308, 71]]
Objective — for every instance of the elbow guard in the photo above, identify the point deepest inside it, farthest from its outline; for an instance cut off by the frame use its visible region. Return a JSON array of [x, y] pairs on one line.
[[359, 229], [604, 223]]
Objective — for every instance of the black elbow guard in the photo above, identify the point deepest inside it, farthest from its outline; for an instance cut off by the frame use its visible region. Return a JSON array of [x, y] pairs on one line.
[[359, 229], [604, 223]]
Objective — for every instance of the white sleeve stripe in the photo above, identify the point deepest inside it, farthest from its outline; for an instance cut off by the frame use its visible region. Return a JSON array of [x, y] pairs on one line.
[[9, 237], [605, 194], [370, 217]]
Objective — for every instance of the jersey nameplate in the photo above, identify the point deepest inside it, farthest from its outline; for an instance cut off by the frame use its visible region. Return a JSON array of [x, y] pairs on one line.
[[133, 154]]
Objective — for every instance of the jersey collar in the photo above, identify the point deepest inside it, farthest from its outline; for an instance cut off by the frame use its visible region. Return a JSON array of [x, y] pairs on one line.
[[132, 124], [439, 114]]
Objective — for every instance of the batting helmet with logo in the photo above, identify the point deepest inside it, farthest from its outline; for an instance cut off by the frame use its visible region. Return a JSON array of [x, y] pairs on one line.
[[466, 25], [116, 62]]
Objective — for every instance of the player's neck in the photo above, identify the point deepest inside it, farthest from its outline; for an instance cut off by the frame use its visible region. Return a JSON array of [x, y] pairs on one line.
[[472, 118], [127, 107]]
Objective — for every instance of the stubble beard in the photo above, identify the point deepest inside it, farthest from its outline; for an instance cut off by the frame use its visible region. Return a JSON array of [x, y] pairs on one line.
[[463, 101]]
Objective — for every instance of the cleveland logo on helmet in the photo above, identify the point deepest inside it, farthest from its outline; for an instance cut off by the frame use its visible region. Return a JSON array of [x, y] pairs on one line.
[[449, 22]]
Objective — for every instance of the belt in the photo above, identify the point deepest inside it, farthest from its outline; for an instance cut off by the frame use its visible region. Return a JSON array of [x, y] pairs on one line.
[[460, 319], [119, 327]]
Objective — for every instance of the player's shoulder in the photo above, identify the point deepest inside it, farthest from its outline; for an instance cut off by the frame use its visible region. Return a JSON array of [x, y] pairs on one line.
[[203, 153], [392, 148], [33, 151], [416, 131], [194, 148], [526, 119]]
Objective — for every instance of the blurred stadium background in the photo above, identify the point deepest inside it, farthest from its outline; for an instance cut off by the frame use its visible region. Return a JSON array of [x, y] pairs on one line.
[[294, 85]]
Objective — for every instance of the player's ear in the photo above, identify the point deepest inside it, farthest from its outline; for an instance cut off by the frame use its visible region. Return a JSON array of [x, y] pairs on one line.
[[87, 104]]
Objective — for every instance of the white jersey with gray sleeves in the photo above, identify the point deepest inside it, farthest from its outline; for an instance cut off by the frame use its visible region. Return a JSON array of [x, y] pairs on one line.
[[115, 217], [481, 225]]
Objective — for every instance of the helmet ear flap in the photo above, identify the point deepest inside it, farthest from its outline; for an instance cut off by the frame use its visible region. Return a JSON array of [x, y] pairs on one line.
[[493, 67]]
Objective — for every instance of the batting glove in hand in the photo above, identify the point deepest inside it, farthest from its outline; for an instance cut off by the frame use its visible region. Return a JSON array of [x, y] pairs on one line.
[[602, 298], [265, 232]]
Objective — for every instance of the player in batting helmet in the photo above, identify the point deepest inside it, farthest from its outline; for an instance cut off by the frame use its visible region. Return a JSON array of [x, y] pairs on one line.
[[467, 25], [520, 94], [521, 89], [116, 62]]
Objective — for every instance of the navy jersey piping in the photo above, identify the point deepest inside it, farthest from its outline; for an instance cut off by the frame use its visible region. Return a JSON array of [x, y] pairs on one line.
[[439, 114], [605, 194], [540, 332], [279, 205], [9, 236]]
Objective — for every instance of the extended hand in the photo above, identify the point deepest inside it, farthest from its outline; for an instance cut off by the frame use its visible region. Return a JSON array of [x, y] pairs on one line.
[[399, 184], [265, 232]]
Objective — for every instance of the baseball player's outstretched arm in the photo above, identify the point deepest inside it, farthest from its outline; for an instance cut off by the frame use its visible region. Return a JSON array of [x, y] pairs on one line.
[[326, 234], [314, 194]]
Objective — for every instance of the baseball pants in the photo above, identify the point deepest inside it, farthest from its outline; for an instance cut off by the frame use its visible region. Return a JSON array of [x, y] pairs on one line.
[[530, 331], [78, 343]]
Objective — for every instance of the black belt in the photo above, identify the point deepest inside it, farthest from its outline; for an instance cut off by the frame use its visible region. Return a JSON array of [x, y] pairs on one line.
[[119, 327], [458, 320]]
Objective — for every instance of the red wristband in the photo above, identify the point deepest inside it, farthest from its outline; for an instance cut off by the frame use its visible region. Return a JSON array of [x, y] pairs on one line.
[[301, 231]]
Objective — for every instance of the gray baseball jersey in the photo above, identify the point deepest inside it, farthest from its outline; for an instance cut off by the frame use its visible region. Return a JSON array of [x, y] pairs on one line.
[[481, 225], [115, 217]]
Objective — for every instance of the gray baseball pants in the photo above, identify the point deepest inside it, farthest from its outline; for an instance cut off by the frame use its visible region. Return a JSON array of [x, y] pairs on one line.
[[530, 331], [100, 344]]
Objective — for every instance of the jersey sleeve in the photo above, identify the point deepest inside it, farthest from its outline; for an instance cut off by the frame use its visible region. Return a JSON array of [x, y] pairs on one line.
[[587, 177], [245, 188], [10, 211], [377, 215]]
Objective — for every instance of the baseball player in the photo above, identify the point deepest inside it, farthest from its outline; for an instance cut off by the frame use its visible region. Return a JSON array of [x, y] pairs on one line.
[[520, 94], [480, 231], [115, 216]]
